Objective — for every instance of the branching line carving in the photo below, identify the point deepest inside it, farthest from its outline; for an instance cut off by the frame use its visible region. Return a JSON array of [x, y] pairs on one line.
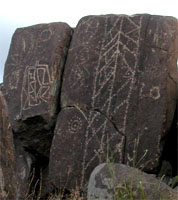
[[106, 78]]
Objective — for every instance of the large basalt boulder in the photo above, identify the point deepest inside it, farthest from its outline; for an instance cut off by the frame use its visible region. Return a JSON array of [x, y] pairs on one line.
[[32, 80], [82, 139], [8, 178], [125, 67], [117, 181]]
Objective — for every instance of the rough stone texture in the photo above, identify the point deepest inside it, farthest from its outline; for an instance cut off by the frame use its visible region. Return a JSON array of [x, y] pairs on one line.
[[125, 67], [106, 179], [169, 164], [1, 87], [33, 70], [24, 163], [32, 80], [82, 140], [177, 138], [8, 179], [176, 188], [37, 141]]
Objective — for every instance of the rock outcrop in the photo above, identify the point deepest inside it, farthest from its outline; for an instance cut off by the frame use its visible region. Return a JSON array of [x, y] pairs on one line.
[[32, 82], [105, 91], [84, 140], [8, 176], [111, 181], [25, 171], [123, 67]]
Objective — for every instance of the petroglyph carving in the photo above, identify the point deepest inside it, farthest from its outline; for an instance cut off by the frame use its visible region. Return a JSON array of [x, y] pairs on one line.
[[117, 59], [111, 64], [141, 94], [98, 128], [155, 93], [108, 64], [46, 35], [36, 86], [75, 125], [90, 141], [114, 70]]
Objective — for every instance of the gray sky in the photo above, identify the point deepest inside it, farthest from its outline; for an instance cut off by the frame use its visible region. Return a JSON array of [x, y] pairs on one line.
[[20, 13]]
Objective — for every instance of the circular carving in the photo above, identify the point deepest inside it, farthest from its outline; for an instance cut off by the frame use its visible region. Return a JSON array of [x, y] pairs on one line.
[[46, 35], [75, 125], [155, 93]]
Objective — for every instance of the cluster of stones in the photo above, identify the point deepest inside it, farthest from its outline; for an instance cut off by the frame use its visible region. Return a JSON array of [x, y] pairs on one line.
[[76, 98]]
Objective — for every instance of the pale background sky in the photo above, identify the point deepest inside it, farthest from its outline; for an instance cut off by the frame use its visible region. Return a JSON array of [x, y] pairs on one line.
[[21, 13]]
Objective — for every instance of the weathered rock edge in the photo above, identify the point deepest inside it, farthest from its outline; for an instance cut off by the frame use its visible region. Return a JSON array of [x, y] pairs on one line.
[[107, 178], [8, 176], [126, 68]]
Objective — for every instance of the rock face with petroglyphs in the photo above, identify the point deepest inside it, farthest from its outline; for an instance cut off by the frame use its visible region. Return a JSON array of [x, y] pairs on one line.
[[87, 135], [8, 178], [124, 69], [32, 80], [110, 96]]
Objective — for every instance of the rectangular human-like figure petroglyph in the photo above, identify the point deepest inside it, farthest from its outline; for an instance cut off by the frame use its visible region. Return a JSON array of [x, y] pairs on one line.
[[33, 71], [125, 68], [36, 86]]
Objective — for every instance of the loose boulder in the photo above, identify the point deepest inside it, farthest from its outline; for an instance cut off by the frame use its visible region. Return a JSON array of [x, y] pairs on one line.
[[125, 67], [8, 178], [117, 181]]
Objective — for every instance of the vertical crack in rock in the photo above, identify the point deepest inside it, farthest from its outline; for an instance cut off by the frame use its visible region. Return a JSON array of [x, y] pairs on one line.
[[118, 65], [32, 82], [118, 93], [82, 142]]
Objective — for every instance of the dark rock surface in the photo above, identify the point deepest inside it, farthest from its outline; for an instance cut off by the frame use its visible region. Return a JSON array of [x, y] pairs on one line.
[[32, 81], [33, 71], [82, 140], [115, 101], [1, 87], [169, 164], [125, 67], [8, 178], [24, 163], [107, 179]]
